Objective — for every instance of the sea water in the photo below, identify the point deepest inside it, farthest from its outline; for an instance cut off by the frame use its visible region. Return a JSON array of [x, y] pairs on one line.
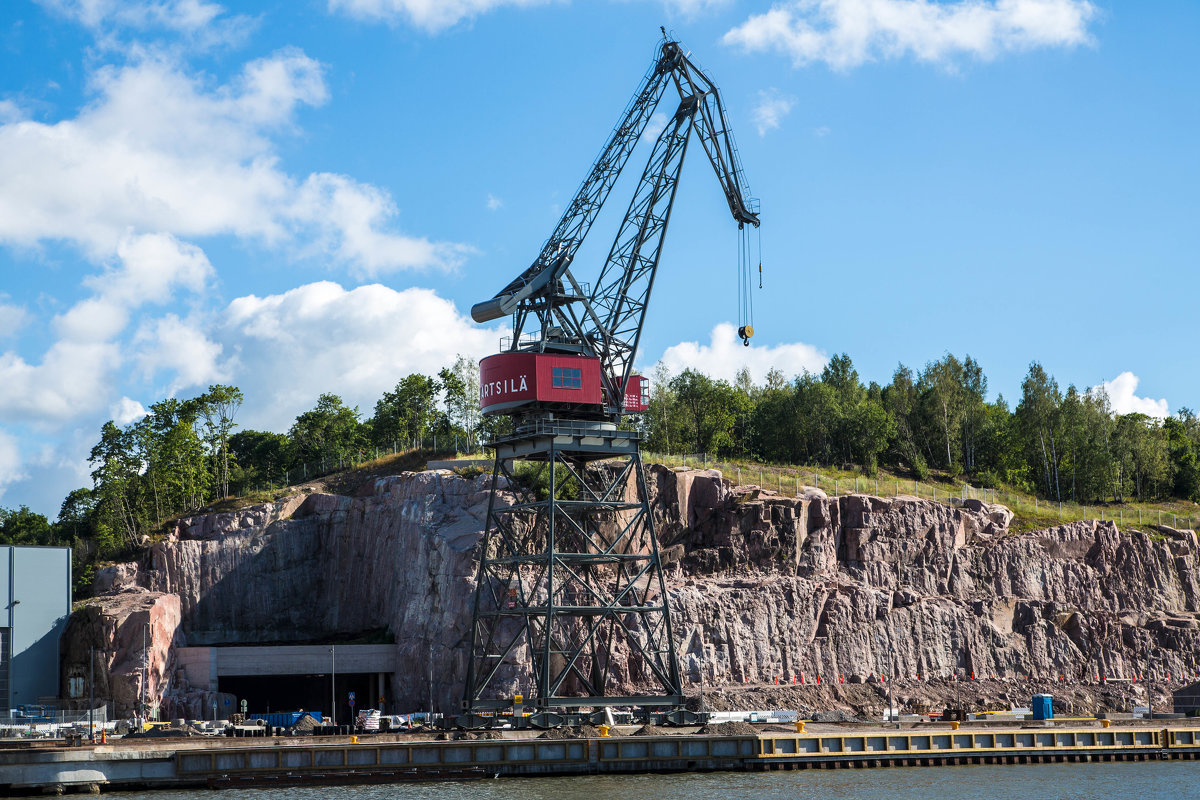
[[1152, 780]]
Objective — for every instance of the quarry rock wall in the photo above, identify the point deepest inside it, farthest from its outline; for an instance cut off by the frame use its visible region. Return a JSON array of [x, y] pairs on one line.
[[763, 588]]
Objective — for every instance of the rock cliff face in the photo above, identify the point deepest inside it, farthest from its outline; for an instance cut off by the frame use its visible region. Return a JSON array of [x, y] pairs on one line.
[[123, 641], [763, 588]]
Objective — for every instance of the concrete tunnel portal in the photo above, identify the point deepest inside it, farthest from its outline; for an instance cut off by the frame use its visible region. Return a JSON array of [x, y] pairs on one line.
[[294, 677]]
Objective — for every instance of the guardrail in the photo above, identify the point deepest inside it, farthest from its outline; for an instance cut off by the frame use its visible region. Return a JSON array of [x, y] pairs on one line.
[[978, 747]]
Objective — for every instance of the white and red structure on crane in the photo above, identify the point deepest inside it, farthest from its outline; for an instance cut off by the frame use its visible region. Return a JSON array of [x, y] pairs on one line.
[[572, 582]]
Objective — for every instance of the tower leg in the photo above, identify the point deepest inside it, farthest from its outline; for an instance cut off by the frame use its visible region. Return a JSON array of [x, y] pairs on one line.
[[570, 605]]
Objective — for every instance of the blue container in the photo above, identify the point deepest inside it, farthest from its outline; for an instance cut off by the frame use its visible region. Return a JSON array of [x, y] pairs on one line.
[[284, 719], [36, 715], [1043, 706]]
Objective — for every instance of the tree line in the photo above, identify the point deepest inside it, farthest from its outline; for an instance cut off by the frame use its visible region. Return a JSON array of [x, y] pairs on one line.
[[1061, 445], [187, 453], [184, 454]]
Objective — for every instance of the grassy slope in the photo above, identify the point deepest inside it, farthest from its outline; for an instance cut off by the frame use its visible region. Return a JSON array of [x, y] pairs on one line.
[[1031, 512]]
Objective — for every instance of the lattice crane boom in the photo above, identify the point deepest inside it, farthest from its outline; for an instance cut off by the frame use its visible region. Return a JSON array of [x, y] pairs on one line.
[[603, 320]]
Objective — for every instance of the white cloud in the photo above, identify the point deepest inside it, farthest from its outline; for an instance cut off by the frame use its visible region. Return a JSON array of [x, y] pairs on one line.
[[347, 220], [434, 16], [12, 319], [494, 203], [725, 355], [286, 349], [202, 22], [847, 33], [181, 15], [126, 410], [74, 375], [11, 469], [822, 131], [152, 266], [10, 112], [71, 378], [430, 15], [159, 150], [771, 109], [691, 8], [95, 319], [654, 126], [180, 349], [1121, 397]]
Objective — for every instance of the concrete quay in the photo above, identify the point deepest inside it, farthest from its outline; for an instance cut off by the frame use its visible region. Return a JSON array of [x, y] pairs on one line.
[[394, 758]]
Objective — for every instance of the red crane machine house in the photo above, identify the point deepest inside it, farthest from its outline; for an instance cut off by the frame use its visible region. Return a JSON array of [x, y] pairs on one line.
[[512, 380]]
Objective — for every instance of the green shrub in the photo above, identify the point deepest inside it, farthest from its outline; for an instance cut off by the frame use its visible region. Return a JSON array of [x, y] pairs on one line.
[[471, 471], [920, 468], [986, 479], [535, 477]]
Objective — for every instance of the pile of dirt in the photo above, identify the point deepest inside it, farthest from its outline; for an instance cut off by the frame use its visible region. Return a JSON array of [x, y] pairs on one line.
[[305, 724], [729, 729], [485, 735], [581, 732], [836, 715], [652, 730], [466, 736], [160, 732]]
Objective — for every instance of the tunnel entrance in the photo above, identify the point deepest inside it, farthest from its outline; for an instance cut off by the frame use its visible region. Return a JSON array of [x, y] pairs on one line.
[[266, 693], [275, 678]]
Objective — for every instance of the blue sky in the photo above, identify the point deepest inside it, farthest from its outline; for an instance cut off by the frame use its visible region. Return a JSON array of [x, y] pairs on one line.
[[308, 196]]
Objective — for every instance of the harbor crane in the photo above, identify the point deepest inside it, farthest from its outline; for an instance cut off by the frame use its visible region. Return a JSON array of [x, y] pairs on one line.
[[570, 579]]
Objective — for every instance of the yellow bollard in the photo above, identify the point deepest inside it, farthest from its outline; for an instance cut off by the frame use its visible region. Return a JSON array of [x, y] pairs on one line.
[[604, 730], [353, 740], [799, 726], [1104, 723], [953, 724]]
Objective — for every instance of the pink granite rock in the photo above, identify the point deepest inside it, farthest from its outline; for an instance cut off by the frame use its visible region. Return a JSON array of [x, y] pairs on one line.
[[762, 586]]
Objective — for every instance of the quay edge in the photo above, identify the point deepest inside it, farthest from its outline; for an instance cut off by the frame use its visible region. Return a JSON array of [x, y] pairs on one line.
[[339, 760]]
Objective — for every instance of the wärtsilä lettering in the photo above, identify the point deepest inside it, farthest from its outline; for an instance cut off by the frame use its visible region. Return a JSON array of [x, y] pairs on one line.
[[502, 386]]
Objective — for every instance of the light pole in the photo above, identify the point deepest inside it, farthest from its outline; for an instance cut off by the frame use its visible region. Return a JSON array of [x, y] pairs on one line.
[[1149, 686], [817, 663], [890, 680], [332, 685], [145, 672], [92, 692]]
